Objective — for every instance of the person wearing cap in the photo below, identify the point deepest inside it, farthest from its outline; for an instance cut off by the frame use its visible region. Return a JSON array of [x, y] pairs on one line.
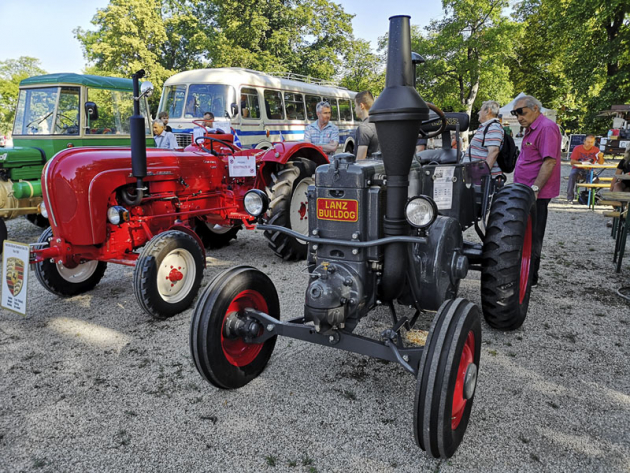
[[321, 132]]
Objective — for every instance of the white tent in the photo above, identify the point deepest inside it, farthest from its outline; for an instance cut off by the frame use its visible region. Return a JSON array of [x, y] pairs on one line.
[[507, 116]]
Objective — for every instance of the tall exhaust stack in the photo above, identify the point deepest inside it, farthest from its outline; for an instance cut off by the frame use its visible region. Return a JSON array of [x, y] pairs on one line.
[[397, 114]]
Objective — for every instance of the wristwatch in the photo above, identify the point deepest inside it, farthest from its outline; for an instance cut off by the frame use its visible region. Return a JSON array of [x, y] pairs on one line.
[[535, 188]]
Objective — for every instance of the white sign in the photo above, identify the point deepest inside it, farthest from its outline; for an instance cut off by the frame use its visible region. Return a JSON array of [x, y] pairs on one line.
[[623, 144], [242, 166], [14, 276], [443, 187]]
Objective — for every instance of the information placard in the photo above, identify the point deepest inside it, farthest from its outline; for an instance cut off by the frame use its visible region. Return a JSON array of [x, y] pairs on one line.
[[242, 166], [14, 276]]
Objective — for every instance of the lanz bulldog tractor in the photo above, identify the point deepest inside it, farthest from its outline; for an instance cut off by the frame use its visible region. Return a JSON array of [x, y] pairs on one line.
[[380, 232], [158, 209]]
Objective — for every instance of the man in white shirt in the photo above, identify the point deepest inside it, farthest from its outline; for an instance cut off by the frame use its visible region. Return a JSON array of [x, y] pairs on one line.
[[208, 121], [163, 139]]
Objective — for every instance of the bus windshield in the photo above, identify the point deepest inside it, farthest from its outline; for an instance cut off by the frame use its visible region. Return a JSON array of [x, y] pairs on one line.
[[201, 98]]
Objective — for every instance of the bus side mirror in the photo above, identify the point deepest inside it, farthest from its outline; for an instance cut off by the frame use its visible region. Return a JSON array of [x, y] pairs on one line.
[[234, 109], [91, 110]]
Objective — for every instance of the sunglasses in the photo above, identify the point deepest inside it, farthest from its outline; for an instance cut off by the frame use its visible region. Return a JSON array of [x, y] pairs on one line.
[[518, 111]]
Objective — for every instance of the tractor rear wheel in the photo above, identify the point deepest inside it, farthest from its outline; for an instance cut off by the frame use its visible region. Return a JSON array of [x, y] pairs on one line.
[[506, 274], [447, 378], [229, 361], [216, 236], [64, 281], [288, 207], [37, 219], [168, 274]]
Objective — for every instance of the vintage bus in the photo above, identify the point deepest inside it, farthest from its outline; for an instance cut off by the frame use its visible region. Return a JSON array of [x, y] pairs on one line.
[[261, 108]]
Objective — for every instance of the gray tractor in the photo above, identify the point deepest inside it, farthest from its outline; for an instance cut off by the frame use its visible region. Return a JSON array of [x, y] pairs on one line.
[[380, 232]]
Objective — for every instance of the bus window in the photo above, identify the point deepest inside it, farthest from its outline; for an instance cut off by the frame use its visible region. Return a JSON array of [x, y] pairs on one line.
[[345, 110], [173, 102], [273, 105], [334, 112], [295, 106], [215, 98], [311, 106], [249, 103]]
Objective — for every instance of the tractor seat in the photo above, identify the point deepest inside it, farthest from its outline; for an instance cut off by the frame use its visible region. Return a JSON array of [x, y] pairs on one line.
[[439, 156]]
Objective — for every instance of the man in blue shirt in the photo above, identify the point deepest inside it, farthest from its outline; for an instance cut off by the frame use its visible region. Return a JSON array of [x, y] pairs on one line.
[[322, 133], [163, 138]]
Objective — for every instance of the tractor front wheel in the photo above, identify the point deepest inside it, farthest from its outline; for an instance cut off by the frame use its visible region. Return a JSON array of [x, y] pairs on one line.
[[227, 360], [506, 273], [288, 207], [447, 378], [64, 281], [168, 274]]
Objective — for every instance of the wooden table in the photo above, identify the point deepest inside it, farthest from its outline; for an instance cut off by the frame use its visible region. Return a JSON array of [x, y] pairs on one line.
[[624, 224], [592, 168]]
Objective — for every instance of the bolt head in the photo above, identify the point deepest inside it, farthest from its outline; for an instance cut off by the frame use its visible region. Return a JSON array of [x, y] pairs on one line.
[[270, 327], [331, 339], [355, 252], [315, 247], [406, 357]]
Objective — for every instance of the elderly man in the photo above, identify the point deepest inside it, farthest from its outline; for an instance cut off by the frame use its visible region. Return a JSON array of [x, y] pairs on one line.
[[322, 133], [538, 165], [585, 153], [488, 138], [163, 138]]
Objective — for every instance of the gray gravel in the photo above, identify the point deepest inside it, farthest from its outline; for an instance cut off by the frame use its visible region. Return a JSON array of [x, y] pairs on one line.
[[90, 383]]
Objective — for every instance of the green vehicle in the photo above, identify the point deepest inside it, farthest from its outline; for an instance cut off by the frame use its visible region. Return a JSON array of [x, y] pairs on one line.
[[55, 112]]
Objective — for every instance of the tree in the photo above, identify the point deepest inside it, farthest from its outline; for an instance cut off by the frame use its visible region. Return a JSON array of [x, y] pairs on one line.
[[12, 72], [466, 54], [363, 69]]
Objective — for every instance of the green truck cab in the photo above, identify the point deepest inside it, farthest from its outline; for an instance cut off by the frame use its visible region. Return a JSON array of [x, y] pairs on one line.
[[55, 112]]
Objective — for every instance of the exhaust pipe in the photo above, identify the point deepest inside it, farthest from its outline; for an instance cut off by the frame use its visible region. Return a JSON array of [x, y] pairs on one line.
[[138, 143], [397, 114]]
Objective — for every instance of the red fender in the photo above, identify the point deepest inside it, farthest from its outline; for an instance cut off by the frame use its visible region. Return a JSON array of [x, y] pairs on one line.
[[189, 231], [283, 152]]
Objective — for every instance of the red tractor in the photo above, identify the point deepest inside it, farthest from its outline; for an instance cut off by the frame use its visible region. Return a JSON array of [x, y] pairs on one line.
[[159, 209]]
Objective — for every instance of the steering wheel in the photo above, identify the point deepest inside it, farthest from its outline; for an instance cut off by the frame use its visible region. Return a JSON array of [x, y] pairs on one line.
[[440, 116], [211, 150], [66, 124]]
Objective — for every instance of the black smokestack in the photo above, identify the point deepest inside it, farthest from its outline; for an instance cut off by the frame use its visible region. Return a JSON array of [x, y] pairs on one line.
[[397, 114]]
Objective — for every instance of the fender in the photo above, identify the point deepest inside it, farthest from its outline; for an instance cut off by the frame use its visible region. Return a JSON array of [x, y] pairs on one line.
[[282, 153], [189, 231]]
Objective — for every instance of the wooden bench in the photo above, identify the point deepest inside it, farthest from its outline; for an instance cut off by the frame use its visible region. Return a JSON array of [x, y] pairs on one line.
[[623, 223]]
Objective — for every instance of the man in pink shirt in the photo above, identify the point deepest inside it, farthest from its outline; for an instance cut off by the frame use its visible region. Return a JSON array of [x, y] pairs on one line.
[[538, 165], [586, 153]]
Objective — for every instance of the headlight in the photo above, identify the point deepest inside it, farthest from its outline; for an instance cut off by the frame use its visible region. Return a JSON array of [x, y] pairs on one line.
[[256, 202], [421, 211], [117, 215], [42, 210]]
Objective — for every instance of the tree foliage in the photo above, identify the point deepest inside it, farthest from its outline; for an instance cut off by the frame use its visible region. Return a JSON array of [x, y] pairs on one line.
[[466, 54], [12, 72]]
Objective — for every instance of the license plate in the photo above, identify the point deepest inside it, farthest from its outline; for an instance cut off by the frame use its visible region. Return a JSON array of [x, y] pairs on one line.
[[339, 210]]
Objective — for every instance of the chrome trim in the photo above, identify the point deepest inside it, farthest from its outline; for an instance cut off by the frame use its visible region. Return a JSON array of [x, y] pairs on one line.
[[45, 191]]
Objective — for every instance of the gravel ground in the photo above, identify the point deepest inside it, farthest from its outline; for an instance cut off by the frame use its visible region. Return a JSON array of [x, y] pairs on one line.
[[90, 383]]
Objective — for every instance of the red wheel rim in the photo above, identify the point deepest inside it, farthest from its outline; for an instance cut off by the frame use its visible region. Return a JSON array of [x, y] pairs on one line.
[[459, 402], [526, 260], [237, 352]]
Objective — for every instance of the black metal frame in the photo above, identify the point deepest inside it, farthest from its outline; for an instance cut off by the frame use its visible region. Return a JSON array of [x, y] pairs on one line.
[[390, 349]]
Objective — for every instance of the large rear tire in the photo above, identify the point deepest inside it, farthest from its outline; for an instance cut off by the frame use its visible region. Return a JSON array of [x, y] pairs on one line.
[[37, 219], [288, 207], [229, 362], [64, 281], [447, 378], [216, 236], [168, 274], [506, 274]]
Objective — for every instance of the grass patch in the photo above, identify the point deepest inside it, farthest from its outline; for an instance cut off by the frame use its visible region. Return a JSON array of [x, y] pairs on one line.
[[271, 460]]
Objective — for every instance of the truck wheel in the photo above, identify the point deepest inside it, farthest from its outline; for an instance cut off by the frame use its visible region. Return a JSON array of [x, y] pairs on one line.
[[288, 207], [506, 278], [3, 234], [228, 361], [37, 219], [216, 236], [447, 378], [64, 281], [168, 274]]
